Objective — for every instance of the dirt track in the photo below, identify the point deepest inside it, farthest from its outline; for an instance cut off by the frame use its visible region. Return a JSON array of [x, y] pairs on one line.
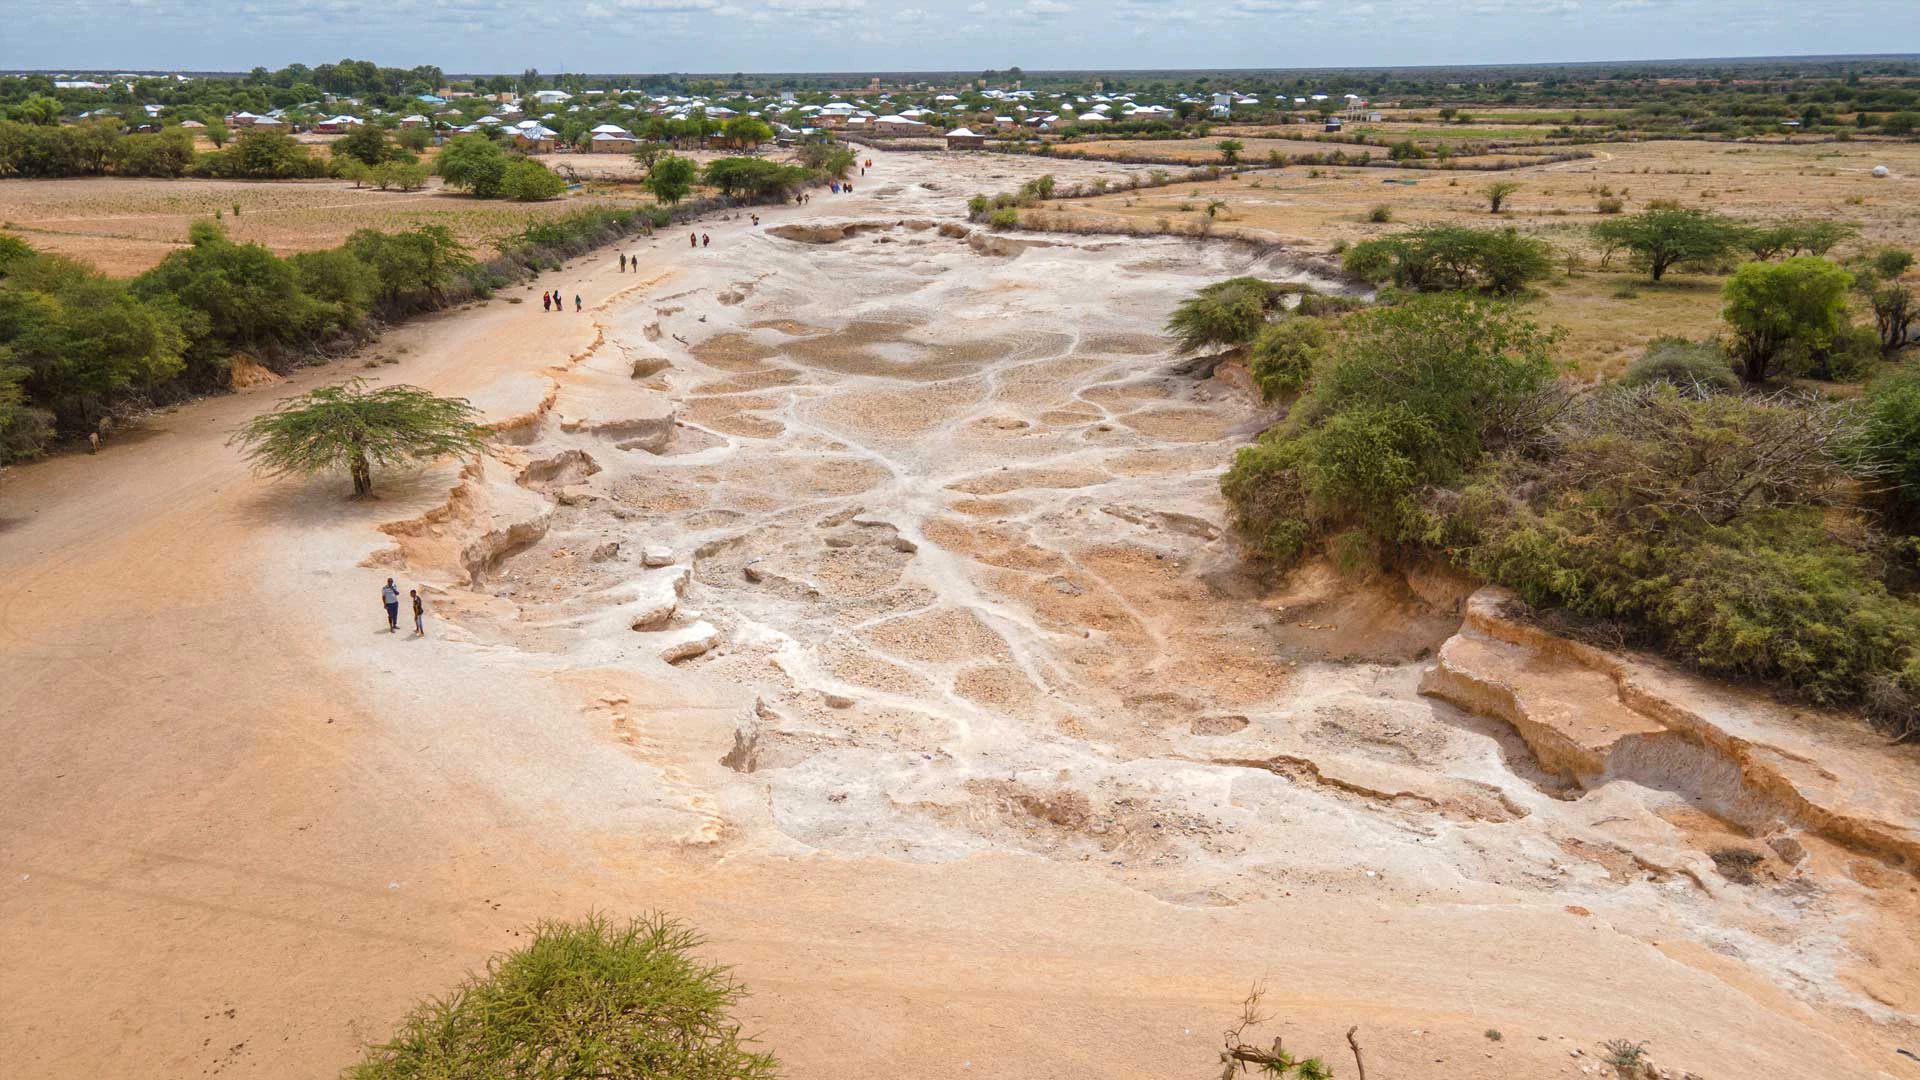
[[244, 827]]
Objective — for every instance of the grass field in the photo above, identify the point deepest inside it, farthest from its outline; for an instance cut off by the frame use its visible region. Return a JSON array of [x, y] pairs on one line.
[[125, 226], [1608, 313]]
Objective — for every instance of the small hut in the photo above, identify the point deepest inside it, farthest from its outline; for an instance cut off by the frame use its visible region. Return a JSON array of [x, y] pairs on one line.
[[964, 139]]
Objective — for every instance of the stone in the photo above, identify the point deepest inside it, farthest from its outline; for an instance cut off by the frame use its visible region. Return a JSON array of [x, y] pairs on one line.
[[656, 555], [656, 596], [608, 550], [1789, 849], [688, 642]]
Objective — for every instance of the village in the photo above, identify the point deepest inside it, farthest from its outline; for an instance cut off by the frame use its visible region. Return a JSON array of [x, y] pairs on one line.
[[616, 120]]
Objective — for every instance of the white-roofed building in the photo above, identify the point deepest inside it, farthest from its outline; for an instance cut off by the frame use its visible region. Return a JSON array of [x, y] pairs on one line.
[[900, 124]]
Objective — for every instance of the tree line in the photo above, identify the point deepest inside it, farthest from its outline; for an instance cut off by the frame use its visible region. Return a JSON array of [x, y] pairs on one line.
[[77, 345]]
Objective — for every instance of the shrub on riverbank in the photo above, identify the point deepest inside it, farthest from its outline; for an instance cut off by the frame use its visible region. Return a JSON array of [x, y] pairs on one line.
[[1722, 528]]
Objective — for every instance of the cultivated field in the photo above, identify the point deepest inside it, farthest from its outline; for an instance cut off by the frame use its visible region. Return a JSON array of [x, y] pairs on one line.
[[1609, 312], [125, 226]]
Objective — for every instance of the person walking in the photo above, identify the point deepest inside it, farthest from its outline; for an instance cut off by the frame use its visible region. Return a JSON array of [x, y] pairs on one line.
[[546, 301], [390, 596], [576, 302], [693, 240], [623, 262], [419, 614]]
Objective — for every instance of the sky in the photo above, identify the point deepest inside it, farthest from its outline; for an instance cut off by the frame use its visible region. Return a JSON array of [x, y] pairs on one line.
[[725, 36]]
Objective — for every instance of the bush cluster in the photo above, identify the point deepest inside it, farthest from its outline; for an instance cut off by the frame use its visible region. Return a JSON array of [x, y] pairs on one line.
[[1741, 533], [1441, 257]]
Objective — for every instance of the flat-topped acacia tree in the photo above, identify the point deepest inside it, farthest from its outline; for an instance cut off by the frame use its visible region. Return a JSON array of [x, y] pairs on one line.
[[353, 428]]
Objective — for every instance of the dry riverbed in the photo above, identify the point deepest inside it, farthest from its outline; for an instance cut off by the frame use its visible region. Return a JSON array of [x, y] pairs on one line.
[[858, 588]]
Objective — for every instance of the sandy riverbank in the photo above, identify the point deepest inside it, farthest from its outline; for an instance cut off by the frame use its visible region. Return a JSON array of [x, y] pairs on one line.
[[960, 785]]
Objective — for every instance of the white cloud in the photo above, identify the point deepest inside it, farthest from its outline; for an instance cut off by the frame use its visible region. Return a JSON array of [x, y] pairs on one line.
[[818, 7]]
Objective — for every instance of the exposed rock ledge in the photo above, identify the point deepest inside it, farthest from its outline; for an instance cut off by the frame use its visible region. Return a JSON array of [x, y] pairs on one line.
[[485, 520], [1593, 716]]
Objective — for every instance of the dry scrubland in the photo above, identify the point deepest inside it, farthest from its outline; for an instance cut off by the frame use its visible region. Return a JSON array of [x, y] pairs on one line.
[[125, 226], [1610, 313]]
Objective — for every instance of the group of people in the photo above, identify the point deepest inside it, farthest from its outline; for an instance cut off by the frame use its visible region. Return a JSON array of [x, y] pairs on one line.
[[699, 240], [390, 598], [841, 187], [553, 301]]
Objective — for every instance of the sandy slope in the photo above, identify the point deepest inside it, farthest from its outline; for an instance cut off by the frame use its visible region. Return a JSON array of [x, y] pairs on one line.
[[243, 827]]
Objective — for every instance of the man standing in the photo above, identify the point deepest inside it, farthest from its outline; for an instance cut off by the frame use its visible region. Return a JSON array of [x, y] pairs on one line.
[[390, 596], [419, 614]]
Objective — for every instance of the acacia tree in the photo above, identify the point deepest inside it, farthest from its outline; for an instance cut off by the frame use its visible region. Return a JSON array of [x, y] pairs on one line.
[[350, 427], [1663, 237], [747, 132], [1772, 306], [1497, 194], [1230, 150]]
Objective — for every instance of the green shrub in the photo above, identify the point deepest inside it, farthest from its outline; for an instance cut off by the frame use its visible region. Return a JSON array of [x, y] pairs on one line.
[[1885, 446], [403, 175], [1283, 355], [261, 155], [1227, 314], [1408, 398], [1694, 366], [473, 163], [1780, 310], [1440, 257], [1380, 215], [1006, 217], [1703, 523], [1609, 205], [581, 1001], [529, 181], [1850, 355]]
